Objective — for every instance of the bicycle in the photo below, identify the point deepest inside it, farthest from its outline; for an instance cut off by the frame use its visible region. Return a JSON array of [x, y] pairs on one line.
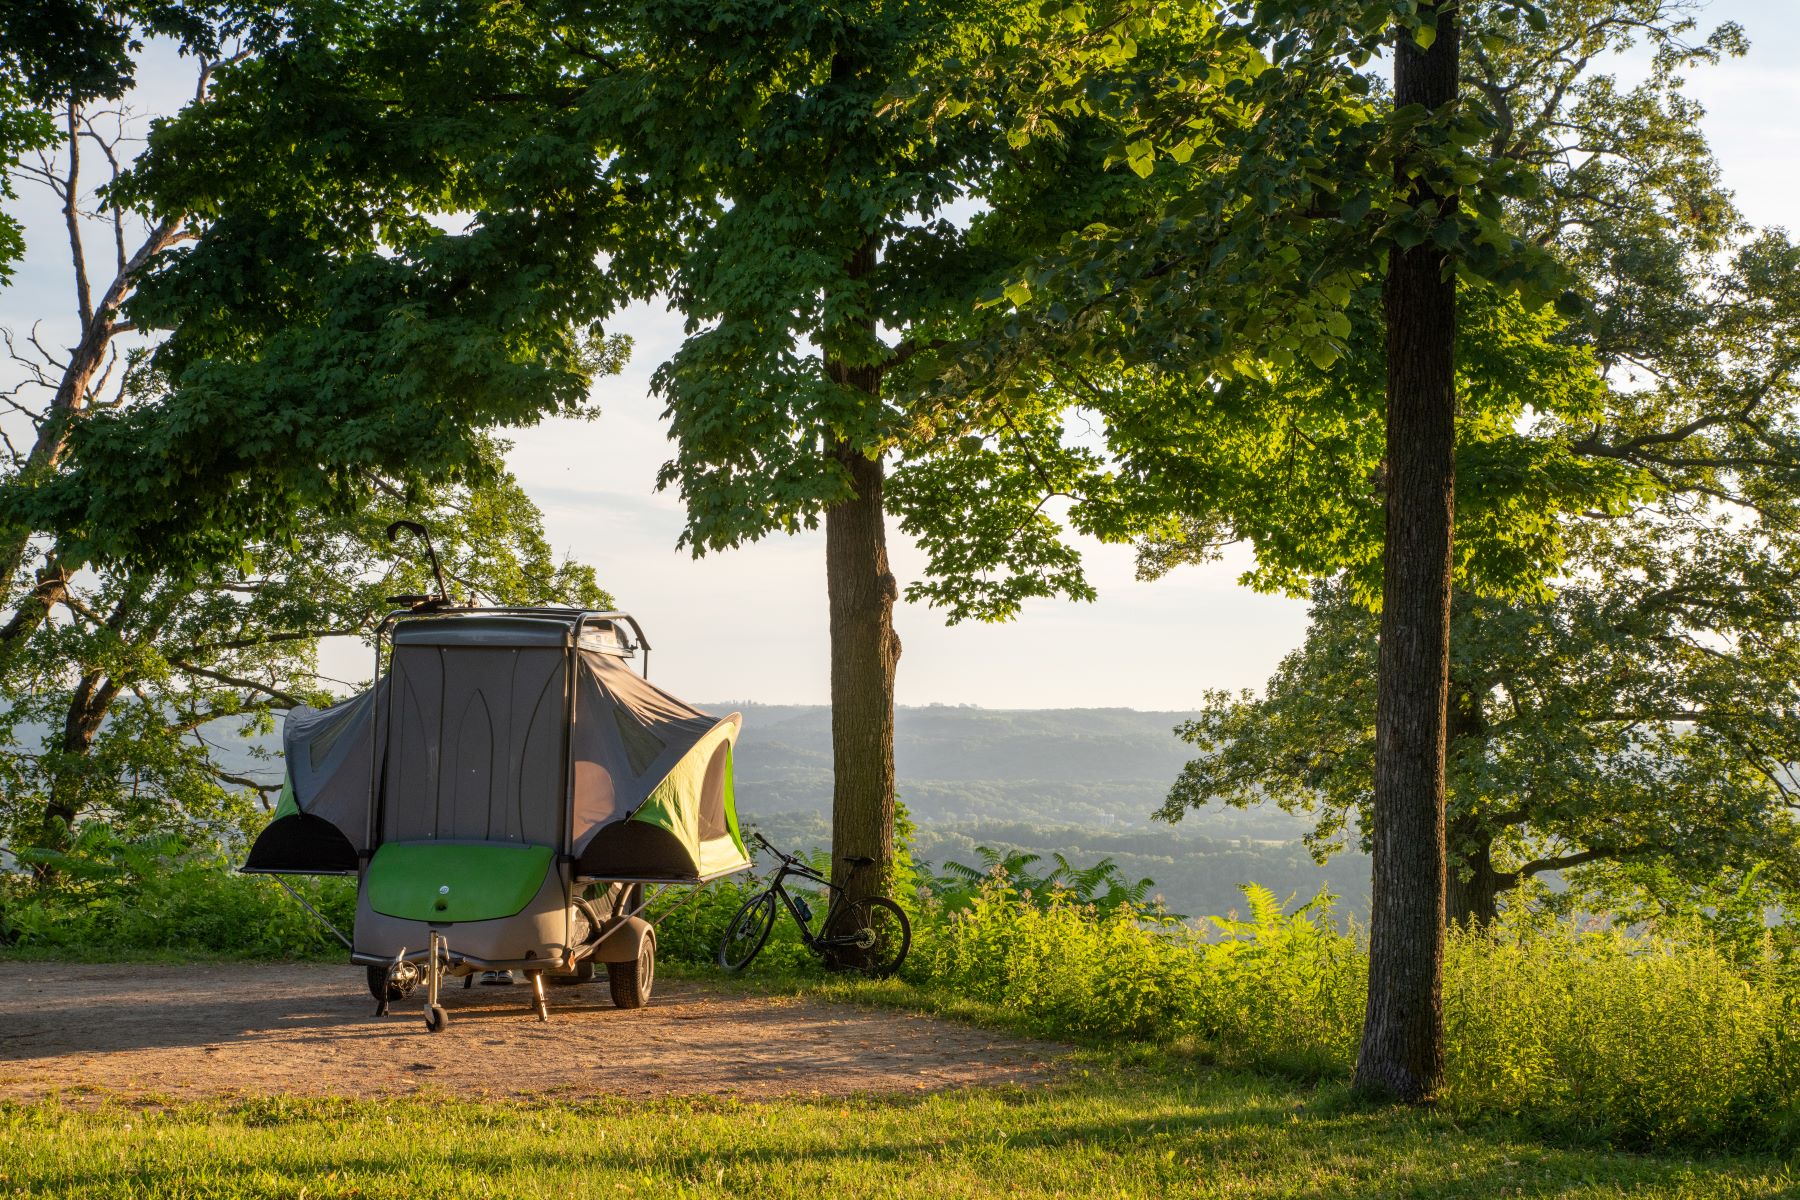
[[875, 934]]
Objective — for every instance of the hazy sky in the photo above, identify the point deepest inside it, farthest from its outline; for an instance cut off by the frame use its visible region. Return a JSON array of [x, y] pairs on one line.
[[751, 624]]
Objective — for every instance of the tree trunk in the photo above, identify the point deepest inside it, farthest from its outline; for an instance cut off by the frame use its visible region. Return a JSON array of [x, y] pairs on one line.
[[864, 654], [1473, 886], [92, 700], [865, 651], [1402, 1051], [33, 609]]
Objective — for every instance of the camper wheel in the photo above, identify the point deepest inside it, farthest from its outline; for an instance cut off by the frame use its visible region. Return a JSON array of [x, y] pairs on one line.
[[630, 982], [436, 1019], [387, 982]]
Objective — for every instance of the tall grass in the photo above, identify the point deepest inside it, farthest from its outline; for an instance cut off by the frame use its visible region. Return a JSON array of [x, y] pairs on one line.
[[1636, 1038], [1276, 990], [1594, 1033]]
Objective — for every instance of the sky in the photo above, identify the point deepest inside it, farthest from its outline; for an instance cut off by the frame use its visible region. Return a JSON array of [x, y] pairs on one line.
[[750, 624]]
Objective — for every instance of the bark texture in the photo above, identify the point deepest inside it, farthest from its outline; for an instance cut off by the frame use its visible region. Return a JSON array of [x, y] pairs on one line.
[[1402, 1051], [865, 652], [1473, 886]]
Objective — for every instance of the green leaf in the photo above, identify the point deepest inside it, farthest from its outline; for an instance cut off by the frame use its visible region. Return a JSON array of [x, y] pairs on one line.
[[1140, 156]]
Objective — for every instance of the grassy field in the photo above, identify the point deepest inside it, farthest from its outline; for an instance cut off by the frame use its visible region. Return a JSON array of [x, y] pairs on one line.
[[1105, 1131]]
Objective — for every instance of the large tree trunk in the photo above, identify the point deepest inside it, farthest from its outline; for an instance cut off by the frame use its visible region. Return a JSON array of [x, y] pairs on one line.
[[864, 654], [865, 651], [1403, 1028]]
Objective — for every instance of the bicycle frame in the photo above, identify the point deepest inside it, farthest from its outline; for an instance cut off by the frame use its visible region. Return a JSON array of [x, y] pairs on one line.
[[789, 867]]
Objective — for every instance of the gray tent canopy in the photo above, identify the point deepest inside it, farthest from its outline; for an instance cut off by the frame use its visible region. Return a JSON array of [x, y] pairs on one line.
[[521, 726]]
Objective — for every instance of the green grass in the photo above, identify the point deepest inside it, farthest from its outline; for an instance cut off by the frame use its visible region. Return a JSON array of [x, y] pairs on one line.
[[1104, 1132]]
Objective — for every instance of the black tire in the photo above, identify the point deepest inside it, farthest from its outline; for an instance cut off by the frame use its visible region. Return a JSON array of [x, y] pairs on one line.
[[436, 1019], [381, 989], [630, 982], [748, 930], [876, 938]]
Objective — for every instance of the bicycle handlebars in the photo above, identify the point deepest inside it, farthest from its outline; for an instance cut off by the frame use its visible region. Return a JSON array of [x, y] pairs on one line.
[[769, 846]]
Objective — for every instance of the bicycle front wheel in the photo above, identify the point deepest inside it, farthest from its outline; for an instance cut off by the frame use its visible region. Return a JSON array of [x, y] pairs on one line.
[[871, 935], [748, 930]]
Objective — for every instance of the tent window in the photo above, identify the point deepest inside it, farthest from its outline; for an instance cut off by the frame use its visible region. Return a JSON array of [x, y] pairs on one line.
[[712, 795], [641, 746]]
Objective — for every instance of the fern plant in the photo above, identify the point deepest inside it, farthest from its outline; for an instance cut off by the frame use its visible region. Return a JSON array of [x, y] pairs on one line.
[[1102, 887]]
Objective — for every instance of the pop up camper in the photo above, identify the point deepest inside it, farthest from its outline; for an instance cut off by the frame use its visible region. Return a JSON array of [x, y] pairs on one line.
[[510, 795]]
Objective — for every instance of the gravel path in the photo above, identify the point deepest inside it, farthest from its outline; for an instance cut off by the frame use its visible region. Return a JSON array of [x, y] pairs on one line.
[[242, 1030]]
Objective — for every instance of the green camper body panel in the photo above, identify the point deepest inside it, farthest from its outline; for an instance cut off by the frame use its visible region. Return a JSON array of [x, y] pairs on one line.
[[447, 882]]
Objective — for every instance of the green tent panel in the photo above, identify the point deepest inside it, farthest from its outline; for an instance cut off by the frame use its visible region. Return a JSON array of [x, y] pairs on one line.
[[653, 781]]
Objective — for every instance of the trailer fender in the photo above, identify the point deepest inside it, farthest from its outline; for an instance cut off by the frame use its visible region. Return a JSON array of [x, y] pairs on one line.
[[623, 939]]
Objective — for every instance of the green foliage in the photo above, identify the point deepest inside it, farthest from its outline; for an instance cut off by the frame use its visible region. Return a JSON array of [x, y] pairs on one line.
[[341, 316], [1627, 730], [1102, 887], [1221, 323], [160, 895], [1601, 1034], [1289, 457], [1640, 1039], [331, 328], [115, 714], [1281, 991]]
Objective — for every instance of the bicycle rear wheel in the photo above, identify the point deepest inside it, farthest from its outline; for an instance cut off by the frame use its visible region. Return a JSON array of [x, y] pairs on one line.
[[874, 937], [748, 930]]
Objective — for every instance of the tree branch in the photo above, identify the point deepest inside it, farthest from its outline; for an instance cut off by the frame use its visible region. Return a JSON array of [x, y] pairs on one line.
[[286, 698]]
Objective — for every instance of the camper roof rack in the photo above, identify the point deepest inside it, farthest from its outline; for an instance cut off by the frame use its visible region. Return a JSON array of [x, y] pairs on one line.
[[608, 631]]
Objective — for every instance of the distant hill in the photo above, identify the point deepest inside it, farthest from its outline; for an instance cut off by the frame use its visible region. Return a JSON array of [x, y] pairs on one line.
[[1101, 767], [1081, 781]]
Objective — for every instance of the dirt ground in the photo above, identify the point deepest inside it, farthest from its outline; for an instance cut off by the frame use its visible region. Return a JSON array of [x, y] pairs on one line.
[[243, 1030]]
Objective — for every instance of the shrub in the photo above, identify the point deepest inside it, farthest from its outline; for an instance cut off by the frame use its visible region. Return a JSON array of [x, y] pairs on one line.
[[1634, 1038], [1600, 1034], [1275, 989], [113, 895]]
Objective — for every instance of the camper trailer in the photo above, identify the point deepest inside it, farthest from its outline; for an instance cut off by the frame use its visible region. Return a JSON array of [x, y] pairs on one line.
[[510, 795]]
